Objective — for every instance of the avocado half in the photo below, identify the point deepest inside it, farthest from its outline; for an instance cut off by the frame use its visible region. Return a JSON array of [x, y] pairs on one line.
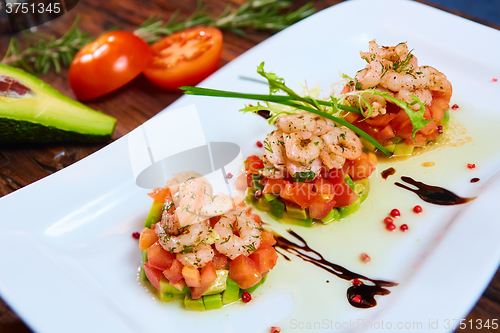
[[31, 111]]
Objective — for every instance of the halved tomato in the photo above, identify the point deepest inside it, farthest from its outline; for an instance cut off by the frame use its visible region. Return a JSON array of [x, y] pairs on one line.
[[185, 58]]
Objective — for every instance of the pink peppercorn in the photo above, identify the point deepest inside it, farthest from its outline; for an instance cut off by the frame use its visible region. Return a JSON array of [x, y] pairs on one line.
[[455, 106], [388, 220], [246, 297], [390, 226], [229, 176], [275, 329], [136, 235], [417, 209], [365, 258], [259, 144], [395, 213], [403, 227], [471, 166]]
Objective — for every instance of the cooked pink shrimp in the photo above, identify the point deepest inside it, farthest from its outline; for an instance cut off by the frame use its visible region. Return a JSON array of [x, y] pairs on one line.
[[301, 150], [191, 236], [344, 142], [304, 122], [371, 75], [275, 146], [425, 96], [331, 160], [294, 167], [192, 197], [249, 232], [198, 257]]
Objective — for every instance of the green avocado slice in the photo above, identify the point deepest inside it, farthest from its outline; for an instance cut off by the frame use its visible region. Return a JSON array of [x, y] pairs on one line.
[[33, 111]]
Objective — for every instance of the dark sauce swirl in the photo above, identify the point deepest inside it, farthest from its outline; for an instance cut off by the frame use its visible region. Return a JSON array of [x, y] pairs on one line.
[[433, 194], [388, 172], [360, 296]]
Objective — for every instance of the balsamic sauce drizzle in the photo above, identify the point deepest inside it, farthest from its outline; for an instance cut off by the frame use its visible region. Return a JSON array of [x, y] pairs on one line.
[[360, 296], [388, 172], [474, 180], [266, 114], [433, 194]]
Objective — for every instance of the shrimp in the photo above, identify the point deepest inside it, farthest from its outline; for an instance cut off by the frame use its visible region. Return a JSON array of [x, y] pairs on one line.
[[272, 171], [294, 167], [370, 76], [424, 77], [304, 122], [275, 145], [301, 150], [331, 160], [249, 231], [425, 96], [192, 235], [344, 142], [198, 257], [191, 198]]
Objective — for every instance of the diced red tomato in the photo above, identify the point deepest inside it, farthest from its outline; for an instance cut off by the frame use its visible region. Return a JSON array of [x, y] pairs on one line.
[[319, 209], [362, 167], [335, 176], [287, 192], [385, 133], [273, 186], [174, 273], [179, 285], [381, 120], [323, 186], [266, 239], [253, 164], [191, 276], [220, 261], [265, 259], [158, 194], [214, 220], [244, 271], [344, 195], [148, 238], [208, 276], [304, 194], [159, 258], [154, 275]]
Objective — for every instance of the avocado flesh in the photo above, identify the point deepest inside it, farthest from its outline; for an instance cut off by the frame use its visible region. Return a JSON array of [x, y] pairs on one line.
[[44, 115]]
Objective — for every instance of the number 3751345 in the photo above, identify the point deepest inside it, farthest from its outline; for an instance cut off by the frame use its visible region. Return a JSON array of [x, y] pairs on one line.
[[24, 8]]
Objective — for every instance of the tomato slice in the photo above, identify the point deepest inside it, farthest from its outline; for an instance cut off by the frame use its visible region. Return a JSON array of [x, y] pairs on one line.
[[108, 63], [185, 58]]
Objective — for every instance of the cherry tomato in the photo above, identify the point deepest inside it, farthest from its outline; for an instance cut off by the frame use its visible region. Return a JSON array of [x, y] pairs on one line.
[[185, 58], [108, 63]]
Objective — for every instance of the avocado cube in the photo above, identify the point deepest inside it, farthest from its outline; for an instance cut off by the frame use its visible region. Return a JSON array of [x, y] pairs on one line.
[[390, 148], [256, 181], [167, 288], [348, 210], [277, 209], [219, 285], [213, 301], [334, 215], [348, 180], [167, 297], [308, 222], [232, 292], [263, 204], [367, 144], [250, 196], [270, 197], [446, 118], [296, 212], [402, 149], [255, 286], [194, 304], [154, 214]]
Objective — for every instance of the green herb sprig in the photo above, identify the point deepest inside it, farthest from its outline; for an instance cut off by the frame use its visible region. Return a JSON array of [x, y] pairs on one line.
[[43, 51]]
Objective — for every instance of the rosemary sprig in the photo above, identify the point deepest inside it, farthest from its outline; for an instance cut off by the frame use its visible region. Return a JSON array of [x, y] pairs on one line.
[[43, 51], [257, 14]]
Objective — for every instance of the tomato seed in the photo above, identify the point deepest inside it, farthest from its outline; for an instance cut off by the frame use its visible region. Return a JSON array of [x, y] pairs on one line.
[[275, 329], [455, 106], [246, 297], [136, 235], [229, 176], [259, 144], [357, 299], [417, 209], [390, 226], [471, 166], [395, 213], [388, 220], [403, 227], [365, 258]]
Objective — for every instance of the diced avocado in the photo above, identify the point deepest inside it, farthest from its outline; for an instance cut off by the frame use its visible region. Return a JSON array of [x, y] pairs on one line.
[[301, 177], [390, 148], [334, 215], [232, 292], [256, 177], [348, 210], [402, 149], [250, 196], [169, 297], [263, 204], [446, 118], [194, 304], [296, 212], [270, 197], [277, 209], [219, 285], [367, 144], [362, 188], [213, 302], [167, 288], [308, 222], [33, 111], [348, 180], [154, 214], [144, 258], [255, 286]]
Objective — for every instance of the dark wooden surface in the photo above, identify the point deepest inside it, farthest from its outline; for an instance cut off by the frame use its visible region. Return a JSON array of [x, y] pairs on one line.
[[135, 103]]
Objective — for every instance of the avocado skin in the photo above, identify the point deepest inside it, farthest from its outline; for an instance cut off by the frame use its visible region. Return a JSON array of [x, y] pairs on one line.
[[20, 131]]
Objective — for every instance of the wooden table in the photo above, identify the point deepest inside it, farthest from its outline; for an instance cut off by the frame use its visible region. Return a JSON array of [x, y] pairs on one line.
[[132, 105]]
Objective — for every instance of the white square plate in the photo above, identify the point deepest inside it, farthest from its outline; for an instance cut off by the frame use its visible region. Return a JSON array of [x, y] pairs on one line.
[[69, 263]]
